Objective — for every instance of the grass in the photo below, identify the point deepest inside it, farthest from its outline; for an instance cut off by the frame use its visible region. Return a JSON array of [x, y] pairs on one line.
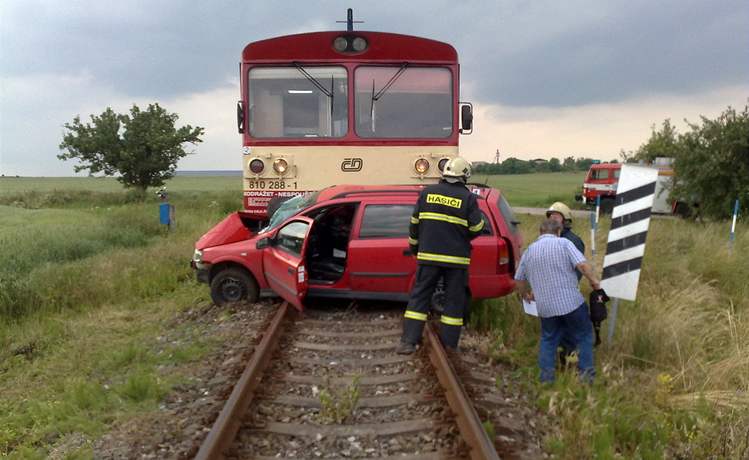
[[674, 383], [90, 281], [536, 190], [14, 185], [88, 284]]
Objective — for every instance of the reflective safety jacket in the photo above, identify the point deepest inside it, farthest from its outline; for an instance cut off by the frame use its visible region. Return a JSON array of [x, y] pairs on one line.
[[445, 220]]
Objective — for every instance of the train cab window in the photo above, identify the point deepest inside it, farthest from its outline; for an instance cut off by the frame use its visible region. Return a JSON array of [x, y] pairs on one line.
[[599, 174], [616, 173], [291, 237], [386, 221], [298, 102], [403, 102]]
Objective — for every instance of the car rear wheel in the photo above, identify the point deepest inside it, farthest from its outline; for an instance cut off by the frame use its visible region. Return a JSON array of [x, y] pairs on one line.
[[233, 285]]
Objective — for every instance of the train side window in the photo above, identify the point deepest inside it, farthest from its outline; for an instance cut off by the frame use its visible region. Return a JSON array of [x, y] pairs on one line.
[[386, 221], [291, 237], [616, 173]]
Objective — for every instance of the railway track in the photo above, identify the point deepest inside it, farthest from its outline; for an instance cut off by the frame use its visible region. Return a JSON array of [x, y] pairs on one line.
[[330, 386]]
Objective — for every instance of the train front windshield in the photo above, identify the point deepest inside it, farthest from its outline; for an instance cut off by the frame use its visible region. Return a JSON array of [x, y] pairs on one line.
[[403, 102], [298, 102], [312, 102]]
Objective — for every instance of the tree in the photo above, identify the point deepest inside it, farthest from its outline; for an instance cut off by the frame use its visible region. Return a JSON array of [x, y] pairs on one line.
[[555, 165], [142, 147], [712, 165], [663, 143], [583, 164], [568, 164]]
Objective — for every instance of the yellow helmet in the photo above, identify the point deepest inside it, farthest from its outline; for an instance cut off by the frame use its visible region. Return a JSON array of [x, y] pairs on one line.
[[561, 208], [457, 167]]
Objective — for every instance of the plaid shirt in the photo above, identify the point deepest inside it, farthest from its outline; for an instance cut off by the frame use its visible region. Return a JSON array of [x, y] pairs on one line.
[[549, 266]]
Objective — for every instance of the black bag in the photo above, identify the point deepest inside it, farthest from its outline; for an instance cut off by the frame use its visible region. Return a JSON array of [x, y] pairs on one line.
[[597, 303]]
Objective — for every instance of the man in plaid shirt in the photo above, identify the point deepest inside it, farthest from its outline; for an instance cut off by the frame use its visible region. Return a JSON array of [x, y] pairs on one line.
[[546, 274]]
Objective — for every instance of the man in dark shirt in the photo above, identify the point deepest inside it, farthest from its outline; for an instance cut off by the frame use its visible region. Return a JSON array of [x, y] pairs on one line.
[[445, 220]]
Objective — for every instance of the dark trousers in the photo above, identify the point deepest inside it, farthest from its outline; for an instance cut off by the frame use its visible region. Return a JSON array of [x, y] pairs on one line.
[[578, 327], [451, 321]]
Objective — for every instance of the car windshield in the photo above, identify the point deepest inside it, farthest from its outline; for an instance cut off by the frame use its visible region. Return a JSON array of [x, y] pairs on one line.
[[289, 208]]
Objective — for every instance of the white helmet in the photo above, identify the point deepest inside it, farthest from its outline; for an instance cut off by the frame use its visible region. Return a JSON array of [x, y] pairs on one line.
[[457, 168], [561, 208]]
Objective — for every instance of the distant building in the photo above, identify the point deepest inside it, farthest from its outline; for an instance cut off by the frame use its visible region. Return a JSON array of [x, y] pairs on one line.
[[539, 161], [479, 163]]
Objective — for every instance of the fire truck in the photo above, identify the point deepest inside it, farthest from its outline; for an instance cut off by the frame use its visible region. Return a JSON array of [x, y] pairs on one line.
[[345, 107], [603, 178]]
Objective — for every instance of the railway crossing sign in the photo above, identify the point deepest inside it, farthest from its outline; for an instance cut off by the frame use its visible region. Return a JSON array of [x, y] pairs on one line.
[[630, 220]]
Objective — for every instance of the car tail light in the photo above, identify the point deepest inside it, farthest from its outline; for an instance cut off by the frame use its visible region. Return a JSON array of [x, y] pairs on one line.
[[503, 257], [257, 166]]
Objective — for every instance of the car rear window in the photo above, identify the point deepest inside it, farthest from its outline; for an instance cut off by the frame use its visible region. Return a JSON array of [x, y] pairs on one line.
[[487, 229], [507, 214], [386, 221]]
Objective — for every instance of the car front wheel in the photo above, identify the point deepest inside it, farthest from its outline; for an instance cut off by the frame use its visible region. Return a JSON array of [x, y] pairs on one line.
[[233, 285]]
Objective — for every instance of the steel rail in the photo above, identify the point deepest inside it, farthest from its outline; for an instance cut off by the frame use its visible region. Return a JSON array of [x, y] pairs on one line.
[[469, 423], [227, 424]]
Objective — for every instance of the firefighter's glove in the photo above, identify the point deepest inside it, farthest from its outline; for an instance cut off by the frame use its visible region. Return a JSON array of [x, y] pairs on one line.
[[414, 249], [597, 303]]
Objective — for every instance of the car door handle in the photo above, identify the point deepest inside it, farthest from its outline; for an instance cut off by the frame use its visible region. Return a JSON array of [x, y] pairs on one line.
[[290, 270], [407, 252]]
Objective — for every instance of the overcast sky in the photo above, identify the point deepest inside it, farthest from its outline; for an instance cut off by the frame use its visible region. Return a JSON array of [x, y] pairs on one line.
[[547, 78]]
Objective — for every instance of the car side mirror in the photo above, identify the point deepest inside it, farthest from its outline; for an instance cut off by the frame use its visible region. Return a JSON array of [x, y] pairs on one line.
[[263, 243], [240, 117], [466, 118]]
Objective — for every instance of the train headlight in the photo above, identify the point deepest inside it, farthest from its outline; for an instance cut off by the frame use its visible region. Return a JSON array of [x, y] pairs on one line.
[[280, 166], [340, 44], [257, 166], [359, 44], [442, 163], [421, 166]]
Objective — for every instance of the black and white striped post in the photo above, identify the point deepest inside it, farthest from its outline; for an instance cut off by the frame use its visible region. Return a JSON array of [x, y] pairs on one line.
[[625, 249]]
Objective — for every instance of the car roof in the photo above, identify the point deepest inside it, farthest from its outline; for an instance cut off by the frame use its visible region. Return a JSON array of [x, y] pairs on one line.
[[376, 191], [606, 166]]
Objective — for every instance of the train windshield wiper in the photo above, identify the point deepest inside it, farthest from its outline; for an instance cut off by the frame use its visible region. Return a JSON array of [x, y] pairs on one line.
[[376, 97], [318, 85]]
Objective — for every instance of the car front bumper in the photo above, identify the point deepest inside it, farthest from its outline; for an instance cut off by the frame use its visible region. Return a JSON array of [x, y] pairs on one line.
[[202, 271]]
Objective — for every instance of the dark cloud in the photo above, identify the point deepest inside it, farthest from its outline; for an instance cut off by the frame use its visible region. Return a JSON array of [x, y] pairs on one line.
[[529, 53]]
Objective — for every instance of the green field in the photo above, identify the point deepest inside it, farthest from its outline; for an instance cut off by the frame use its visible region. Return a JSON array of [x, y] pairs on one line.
[[110, 184], [90, 281], [520, 189], [536, 190]]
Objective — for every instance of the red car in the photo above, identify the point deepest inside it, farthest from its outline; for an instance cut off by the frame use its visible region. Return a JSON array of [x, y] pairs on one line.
[[345, 242]]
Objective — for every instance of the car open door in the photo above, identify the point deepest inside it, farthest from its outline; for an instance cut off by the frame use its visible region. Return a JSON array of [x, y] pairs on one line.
[[283, 261]]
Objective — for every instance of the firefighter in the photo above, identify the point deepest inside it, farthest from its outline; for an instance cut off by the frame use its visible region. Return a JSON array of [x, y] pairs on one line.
[[445, 220], [561, 213]]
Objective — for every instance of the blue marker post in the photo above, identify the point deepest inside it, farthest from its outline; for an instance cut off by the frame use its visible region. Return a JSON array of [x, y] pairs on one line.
[[732, 235], [593, 236], [166, 210]]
